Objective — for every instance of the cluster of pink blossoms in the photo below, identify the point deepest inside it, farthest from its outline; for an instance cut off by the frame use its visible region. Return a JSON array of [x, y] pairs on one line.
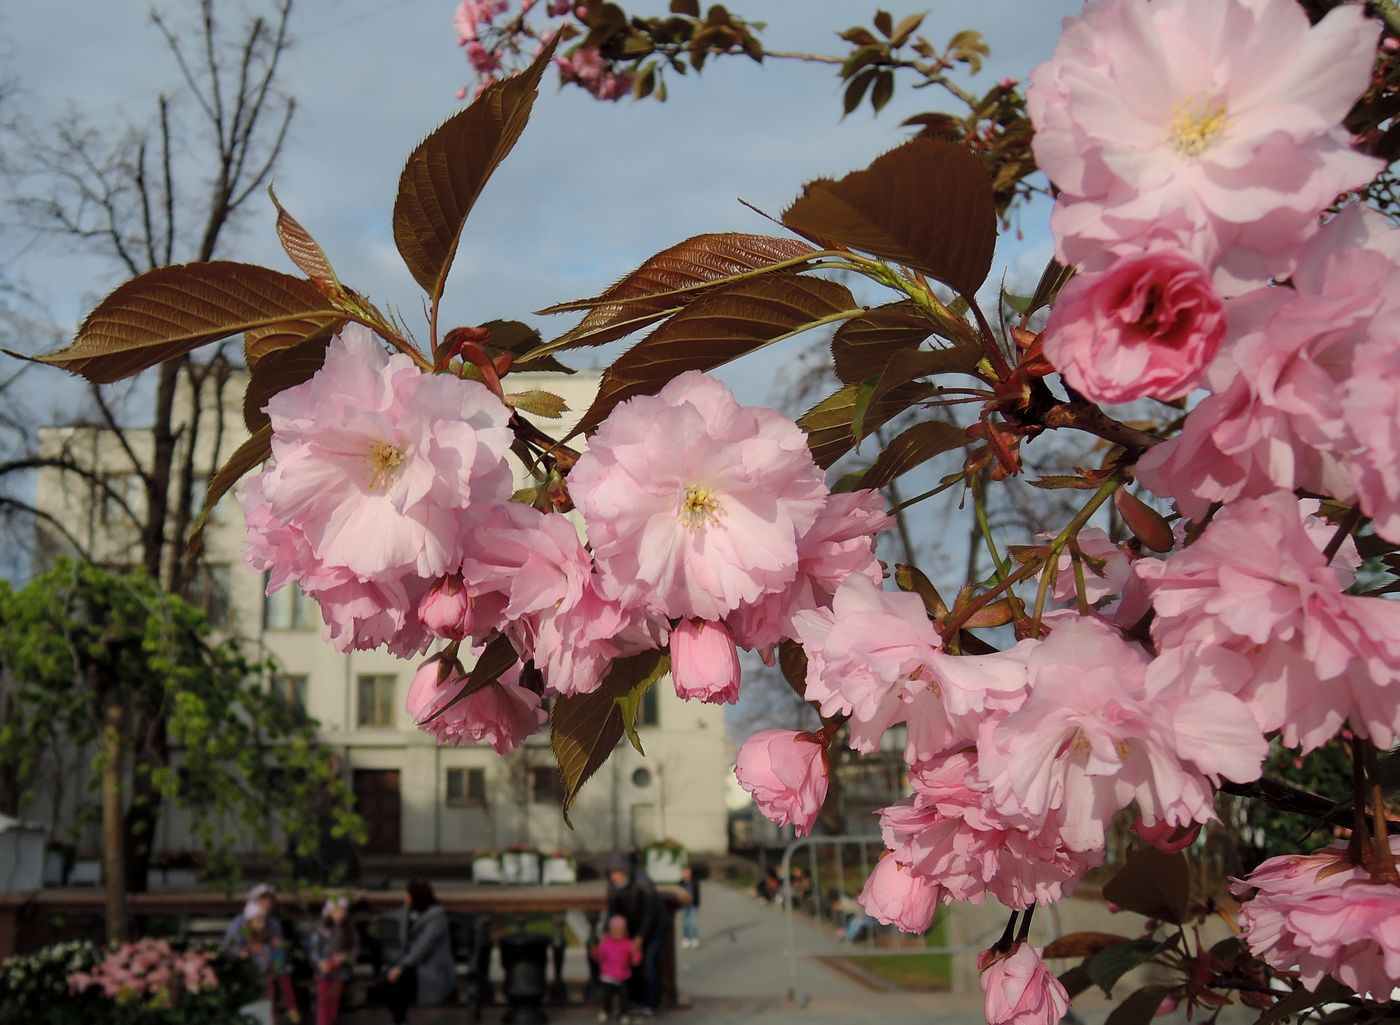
[[148, 970], [388, 501]]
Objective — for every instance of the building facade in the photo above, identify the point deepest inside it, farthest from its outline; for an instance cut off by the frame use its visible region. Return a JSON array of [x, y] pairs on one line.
[[416, 797]]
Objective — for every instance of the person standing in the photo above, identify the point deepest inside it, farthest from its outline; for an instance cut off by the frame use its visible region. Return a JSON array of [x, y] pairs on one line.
[[616, 955], [690, 914], [256, 935], [424, 973], [632, 894], [333, 947]]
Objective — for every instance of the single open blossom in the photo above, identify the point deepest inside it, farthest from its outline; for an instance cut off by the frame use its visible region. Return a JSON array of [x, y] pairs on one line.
[[896, 896], [502, 713], [786, 772], [1148, 326], [1019, 990], [1181, 120], [1320, 915], [704, 662], [1256, 583], [694, 504]]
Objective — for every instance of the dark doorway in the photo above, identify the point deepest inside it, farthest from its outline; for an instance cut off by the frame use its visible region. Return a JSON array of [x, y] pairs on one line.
[[377, 801]]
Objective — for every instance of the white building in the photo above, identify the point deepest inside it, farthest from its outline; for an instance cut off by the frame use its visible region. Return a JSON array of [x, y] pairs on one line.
[[415, 797]]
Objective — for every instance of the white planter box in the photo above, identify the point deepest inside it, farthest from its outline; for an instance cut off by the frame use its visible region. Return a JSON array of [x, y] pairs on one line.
[[259, 1010], [520, 867], [486, 870], [664, 866], [559, 870]]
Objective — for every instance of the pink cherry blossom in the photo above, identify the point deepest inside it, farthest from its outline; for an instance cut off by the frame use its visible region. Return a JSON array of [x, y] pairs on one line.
[[694, 504], [472, 15], [1019, 990], [786, 772], [1177, 120], [445, 609], [841, 542], [896, 896], [704, 662], [1255, 583], [1167, 838], [502, 714], [1320, 915], [1107, 568], [1148, 326], [587, 67]]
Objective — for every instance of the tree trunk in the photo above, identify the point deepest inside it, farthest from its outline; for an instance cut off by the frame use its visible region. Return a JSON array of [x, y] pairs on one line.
[[113, 841], [146, 804]]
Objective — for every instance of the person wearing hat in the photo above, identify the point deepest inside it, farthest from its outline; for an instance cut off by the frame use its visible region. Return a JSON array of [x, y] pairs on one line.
[[632, 894], [256, 934], [333, 947]]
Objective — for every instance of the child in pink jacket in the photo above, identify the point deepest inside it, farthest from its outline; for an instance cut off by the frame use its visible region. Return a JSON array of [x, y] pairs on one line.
[[617, 955]]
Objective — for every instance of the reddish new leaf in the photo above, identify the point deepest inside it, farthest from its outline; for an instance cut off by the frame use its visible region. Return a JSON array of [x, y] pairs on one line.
[[671, 280], [927, 205], [719, 327], [1082, 944], [914, 447], [863, 345], [1145, 522], [305, 251], [1153, 884], [264, 341], [168, 312], [447, 171], [829, 423]]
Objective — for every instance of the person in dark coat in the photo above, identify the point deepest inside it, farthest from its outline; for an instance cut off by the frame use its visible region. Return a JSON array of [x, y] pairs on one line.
[[632, 894], [425, 972]]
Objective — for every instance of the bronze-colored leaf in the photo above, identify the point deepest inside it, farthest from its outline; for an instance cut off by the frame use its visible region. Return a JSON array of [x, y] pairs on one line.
[[1140, 1007], [671, 280], [305, 251], [998, 613], [927, 204], [1082, 944], [264, 341], [721, 326], [1145, 522], [498, 656], [168, 312], [516, 339], [863, 345], [447, 171], [586, 727], [911, 578], [909, 364], [792, 660], [250, 454], [1153, 884], [914, 447], [828, 423], [283, 369]]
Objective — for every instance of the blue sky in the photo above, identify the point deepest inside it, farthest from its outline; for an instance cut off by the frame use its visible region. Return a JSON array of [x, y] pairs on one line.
[[591, 190]]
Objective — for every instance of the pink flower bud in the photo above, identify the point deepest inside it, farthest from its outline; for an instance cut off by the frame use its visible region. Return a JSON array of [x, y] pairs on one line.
[[1019, 990], [896, 896], [785, 771], [445, 608], [1168, 838], [705, 662]]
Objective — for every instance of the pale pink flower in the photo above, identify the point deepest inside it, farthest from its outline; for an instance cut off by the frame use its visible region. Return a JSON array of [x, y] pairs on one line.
[[472, 15], [694, 504], [786, 772], [1146, 327], [840, 543], [587, 67], [502, 714], [896, 896], [1107, 568], [1019, 990], [445, 609], [1320, 915], [1179, 120], [704, 662], [1256, 583]]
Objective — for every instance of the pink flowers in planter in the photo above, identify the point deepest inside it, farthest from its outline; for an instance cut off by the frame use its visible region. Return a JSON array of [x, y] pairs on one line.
[[148, 970]]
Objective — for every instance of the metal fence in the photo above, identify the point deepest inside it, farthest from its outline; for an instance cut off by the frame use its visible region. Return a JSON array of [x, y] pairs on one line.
[[821, 877]]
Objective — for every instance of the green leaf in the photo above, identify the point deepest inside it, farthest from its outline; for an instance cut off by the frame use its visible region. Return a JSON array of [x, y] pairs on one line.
[[914, 447], [828, 423], [253, 452], [1153, 884], [1140, 1007], [586, 727], [1112, 963], [856, 90], [669, 281], [447, 171], [630, 704], [927, 205], [541, 403], [168, 312], [905, 29], [1052, 279], [883, 91], [721, 326], [864, 393], [279, 371]]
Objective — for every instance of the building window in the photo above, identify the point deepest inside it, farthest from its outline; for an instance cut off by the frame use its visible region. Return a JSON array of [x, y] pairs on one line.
[[376, 704], [209, 590], [466, 788], [120, 489], [546, 785], [649, 714], [289, 689], [289, 609]]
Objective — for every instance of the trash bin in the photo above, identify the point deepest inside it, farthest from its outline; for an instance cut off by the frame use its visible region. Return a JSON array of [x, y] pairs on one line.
[[523, 959]]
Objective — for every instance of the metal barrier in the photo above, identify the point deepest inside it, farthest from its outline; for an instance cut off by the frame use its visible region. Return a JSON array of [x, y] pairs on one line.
[[846, 865]]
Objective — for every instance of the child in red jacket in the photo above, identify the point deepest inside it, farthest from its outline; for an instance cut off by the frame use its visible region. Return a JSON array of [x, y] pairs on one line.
[[617, 955]]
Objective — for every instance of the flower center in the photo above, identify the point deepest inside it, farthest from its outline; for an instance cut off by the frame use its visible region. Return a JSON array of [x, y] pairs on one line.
[[1196, 125], [699, 507], [385, 465]]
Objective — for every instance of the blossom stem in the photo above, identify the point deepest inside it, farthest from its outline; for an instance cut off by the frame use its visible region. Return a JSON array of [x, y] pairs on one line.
[[1344, 529], [1072, 529], [1081, 587], [1004, 944], [1023, 933], [1383, 865], [926, 495], [1356, 848]]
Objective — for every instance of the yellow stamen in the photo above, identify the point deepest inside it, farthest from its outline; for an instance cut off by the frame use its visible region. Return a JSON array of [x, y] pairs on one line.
[[1196, 125], [385, 465], [699, 507]]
